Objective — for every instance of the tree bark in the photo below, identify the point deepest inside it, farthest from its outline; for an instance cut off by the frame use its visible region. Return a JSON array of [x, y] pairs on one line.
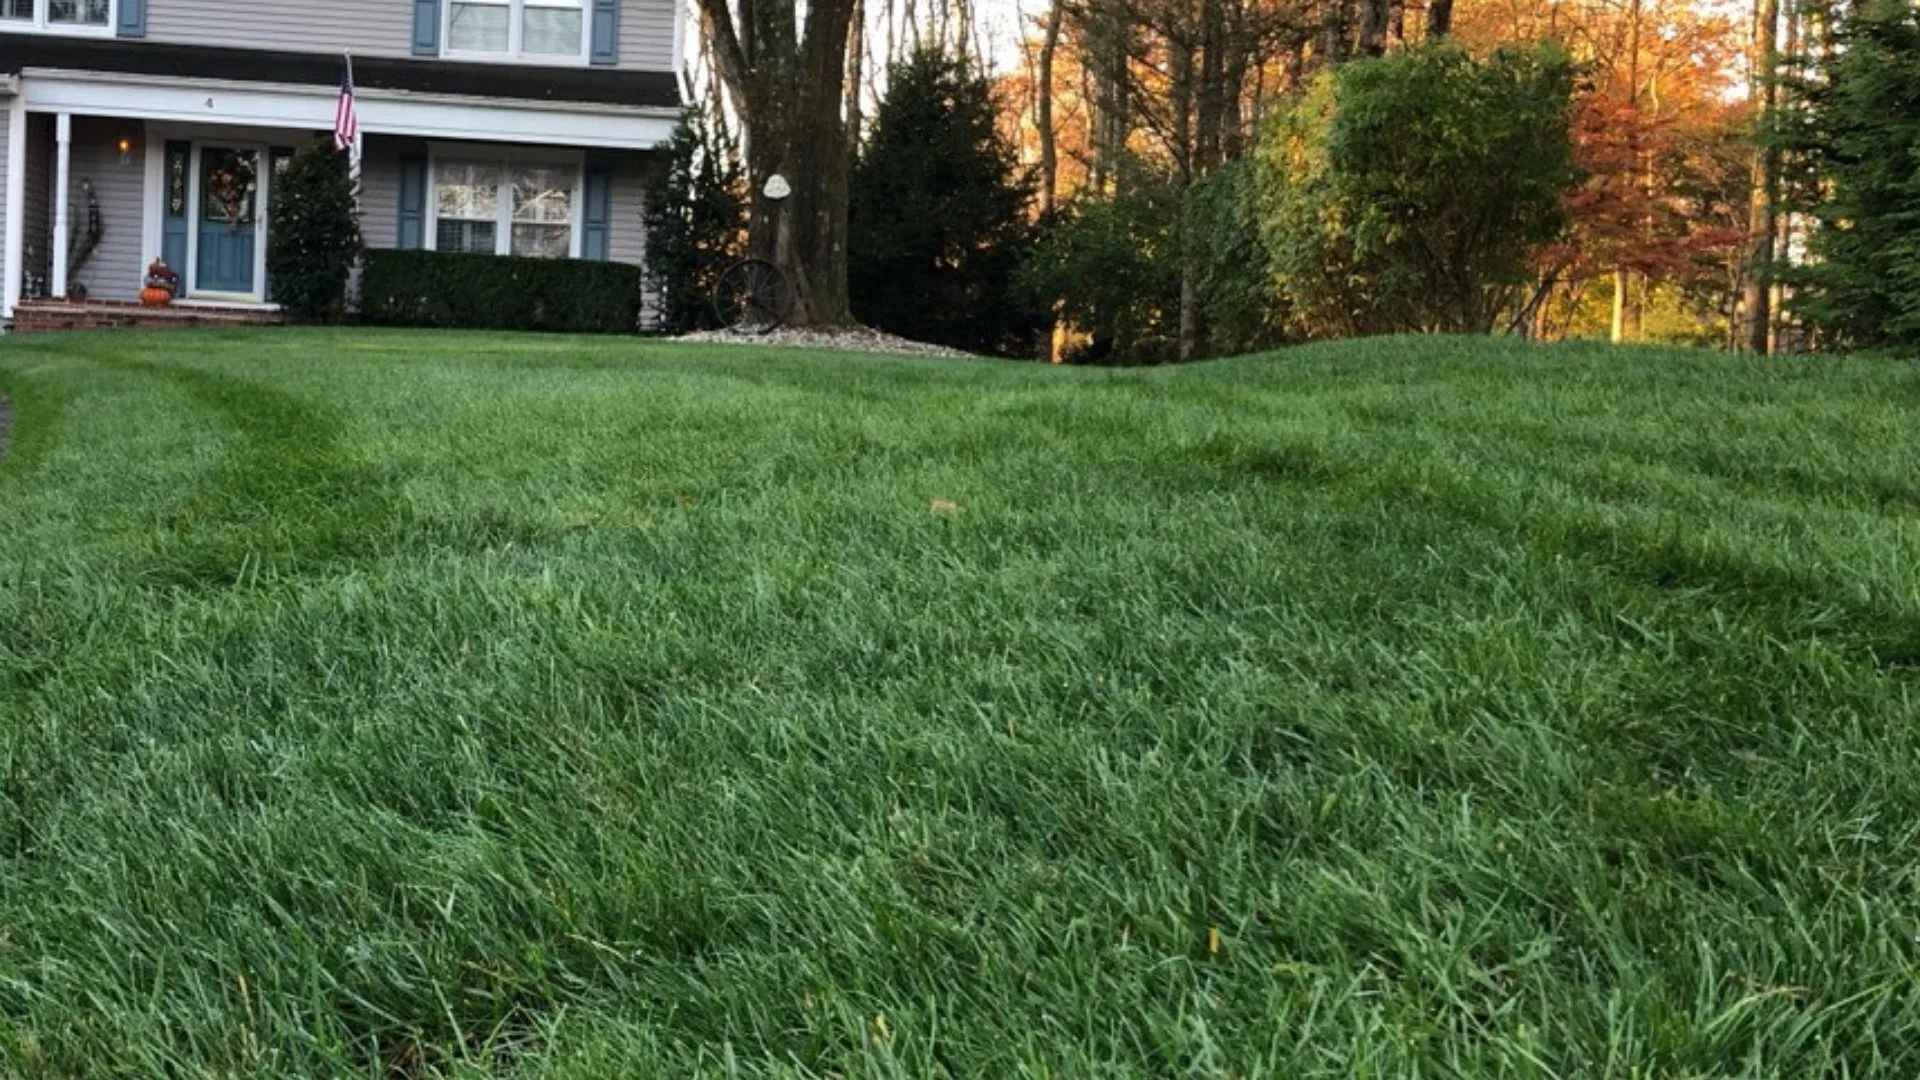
[[788, 89], [1626, 308], [1626, 301], [856, 43], [1337, 38], [1180, 61], [1439, 20], [1766, 180], [1373, 27], [1110, 34], [1049, 147]]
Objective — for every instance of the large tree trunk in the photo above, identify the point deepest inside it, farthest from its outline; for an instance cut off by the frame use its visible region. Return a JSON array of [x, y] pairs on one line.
[[1110, 32], [1180, 61], [1626, 300], [1626, 307], [1439, 19], [856, 44], [1337, 35], [788, 90], [1766, 180], [1049, 147], [1373, 27]]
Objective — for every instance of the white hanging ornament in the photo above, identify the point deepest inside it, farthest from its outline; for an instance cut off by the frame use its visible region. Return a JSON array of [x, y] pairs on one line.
[[777, 188]]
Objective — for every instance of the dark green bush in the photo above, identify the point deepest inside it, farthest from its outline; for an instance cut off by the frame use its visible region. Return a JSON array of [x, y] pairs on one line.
[[1853, 144], [938, 221], [499, 292], [695, 218], [315, 234], [1111, 265]]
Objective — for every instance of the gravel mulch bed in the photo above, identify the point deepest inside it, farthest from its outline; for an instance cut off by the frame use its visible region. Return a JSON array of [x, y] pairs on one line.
[[848, 339]]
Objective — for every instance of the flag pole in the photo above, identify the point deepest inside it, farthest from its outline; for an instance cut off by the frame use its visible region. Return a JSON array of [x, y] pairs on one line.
[[356, 151]]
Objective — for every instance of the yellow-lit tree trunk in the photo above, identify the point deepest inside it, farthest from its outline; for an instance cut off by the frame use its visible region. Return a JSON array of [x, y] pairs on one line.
[[1761, 222]]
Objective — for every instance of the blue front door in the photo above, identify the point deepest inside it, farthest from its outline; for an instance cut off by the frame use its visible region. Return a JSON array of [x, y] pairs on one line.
[[229, 205]]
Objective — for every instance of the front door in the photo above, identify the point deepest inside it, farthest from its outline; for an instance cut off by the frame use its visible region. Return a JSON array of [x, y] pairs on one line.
[[226, 261]]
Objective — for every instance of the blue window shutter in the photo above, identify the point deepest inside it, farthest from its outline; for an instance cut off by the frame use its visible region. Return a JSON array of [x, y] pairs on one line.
[[596, 233], [606, 31], [426, 27], [174, 216], [413, 204], [133, 18]]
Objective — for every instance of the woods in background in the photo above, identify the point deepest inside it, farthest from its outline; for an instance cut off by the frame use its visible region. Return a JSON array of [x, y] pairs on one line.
[[1171, 179]]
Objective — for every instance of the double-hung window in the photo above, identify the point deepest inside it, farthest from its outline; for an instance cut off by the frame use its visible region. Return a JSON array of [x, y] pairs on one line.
[[549, 30], [79, 16], [505, 207]]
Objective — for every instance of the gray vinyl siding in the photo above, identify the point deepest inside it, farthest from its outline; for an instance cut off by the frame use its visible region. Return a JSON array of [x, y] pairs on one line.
[[368, 27], [646, 34], [626, 238], [39, 226], [380, 188], [114, 271]]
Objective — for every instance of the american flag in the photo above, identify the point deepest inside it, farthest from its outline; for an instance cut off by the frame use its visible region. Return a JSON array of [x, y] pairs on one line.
[[346, 127], [346, 122]]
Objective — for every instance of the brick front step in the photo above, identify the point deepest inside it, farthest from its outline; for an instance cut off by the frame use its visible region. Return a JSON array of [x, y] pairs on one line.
[[41, 316]]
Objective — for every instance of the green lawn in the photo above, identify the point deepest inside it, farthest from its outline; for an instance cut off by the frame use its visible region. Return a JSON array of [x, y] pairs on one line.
[[395, 705]]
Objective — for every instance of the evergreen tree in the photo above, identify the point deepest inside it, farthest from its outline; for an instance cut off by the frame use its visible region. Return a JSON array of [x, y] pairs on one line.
[[695, 222], [1857, 129], [316, 233], [939, 215]]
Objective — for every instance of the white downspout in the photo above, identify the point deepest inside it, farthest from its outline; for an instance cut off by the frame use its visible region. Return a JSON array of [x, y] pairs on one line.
[[16, 198], [62, 177]]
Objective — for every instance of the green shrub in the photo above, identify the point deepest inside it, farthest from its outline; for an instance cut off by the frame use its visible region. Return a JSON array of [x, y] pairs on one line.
[[1233, 274], [315, 234], [499, 292], [1413, 192], [695, 218], [1111, 265], [1853, 146], [938, 221]]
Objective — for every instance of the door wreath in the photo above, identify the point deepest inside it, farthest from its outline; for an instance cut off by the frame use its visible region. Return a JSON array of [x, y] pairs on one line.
[[232, 185]]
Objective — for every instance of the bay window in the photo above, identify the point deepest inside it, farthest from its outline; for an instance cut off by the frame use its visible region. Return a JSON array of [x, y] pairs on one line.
[[524, 29], [57, 15], [505, 207]]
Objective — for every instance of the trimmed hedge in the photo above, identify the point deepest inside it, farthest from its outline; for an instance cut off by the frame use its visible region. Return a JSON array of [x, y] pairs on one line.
[[499, 292]]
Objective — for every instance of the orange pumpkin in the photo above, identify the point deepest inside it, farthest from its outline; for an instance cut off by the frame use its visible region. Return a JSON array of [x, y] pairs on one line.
[[156, 296]]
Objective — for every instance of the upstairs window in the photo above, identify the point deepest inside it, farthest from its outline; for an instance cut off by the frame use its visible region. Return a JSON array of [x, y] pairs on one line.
[[546, 30], [57, 15]]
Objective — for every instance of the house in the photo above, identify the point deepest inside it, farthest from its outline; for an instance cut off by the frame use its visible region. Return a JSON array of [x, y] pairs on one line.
[[144, 129]]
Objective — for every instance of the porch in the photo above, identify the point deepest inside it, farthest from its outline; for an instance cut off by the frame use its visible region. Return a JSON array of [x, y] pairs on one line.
[[99, 197], [40, 316]]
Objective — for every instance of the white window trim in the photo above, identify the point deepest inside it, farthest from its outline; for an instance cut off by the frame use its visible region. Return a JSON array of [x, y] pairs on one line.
[[506, 155], [40, 23], [515, 27]]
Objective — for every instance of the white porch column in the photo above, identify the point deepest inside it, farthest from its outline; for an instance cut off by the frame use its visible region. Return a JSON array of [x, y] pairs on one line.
[[16, 257], [62, 227]]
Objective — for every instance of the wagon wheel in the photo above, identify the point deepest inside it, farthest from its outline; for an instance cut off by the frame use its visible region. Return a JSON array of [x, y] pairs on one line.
[[753, 296]]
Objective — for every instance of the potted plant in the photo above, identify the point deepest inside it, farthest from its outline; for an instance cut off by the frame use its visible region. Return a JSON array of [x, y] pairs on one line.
[[161, 284]]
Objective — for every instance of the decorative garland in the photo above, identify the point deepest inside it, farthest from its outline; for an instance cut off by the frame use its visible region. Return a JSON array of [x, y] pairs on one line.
[[232, 186]]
